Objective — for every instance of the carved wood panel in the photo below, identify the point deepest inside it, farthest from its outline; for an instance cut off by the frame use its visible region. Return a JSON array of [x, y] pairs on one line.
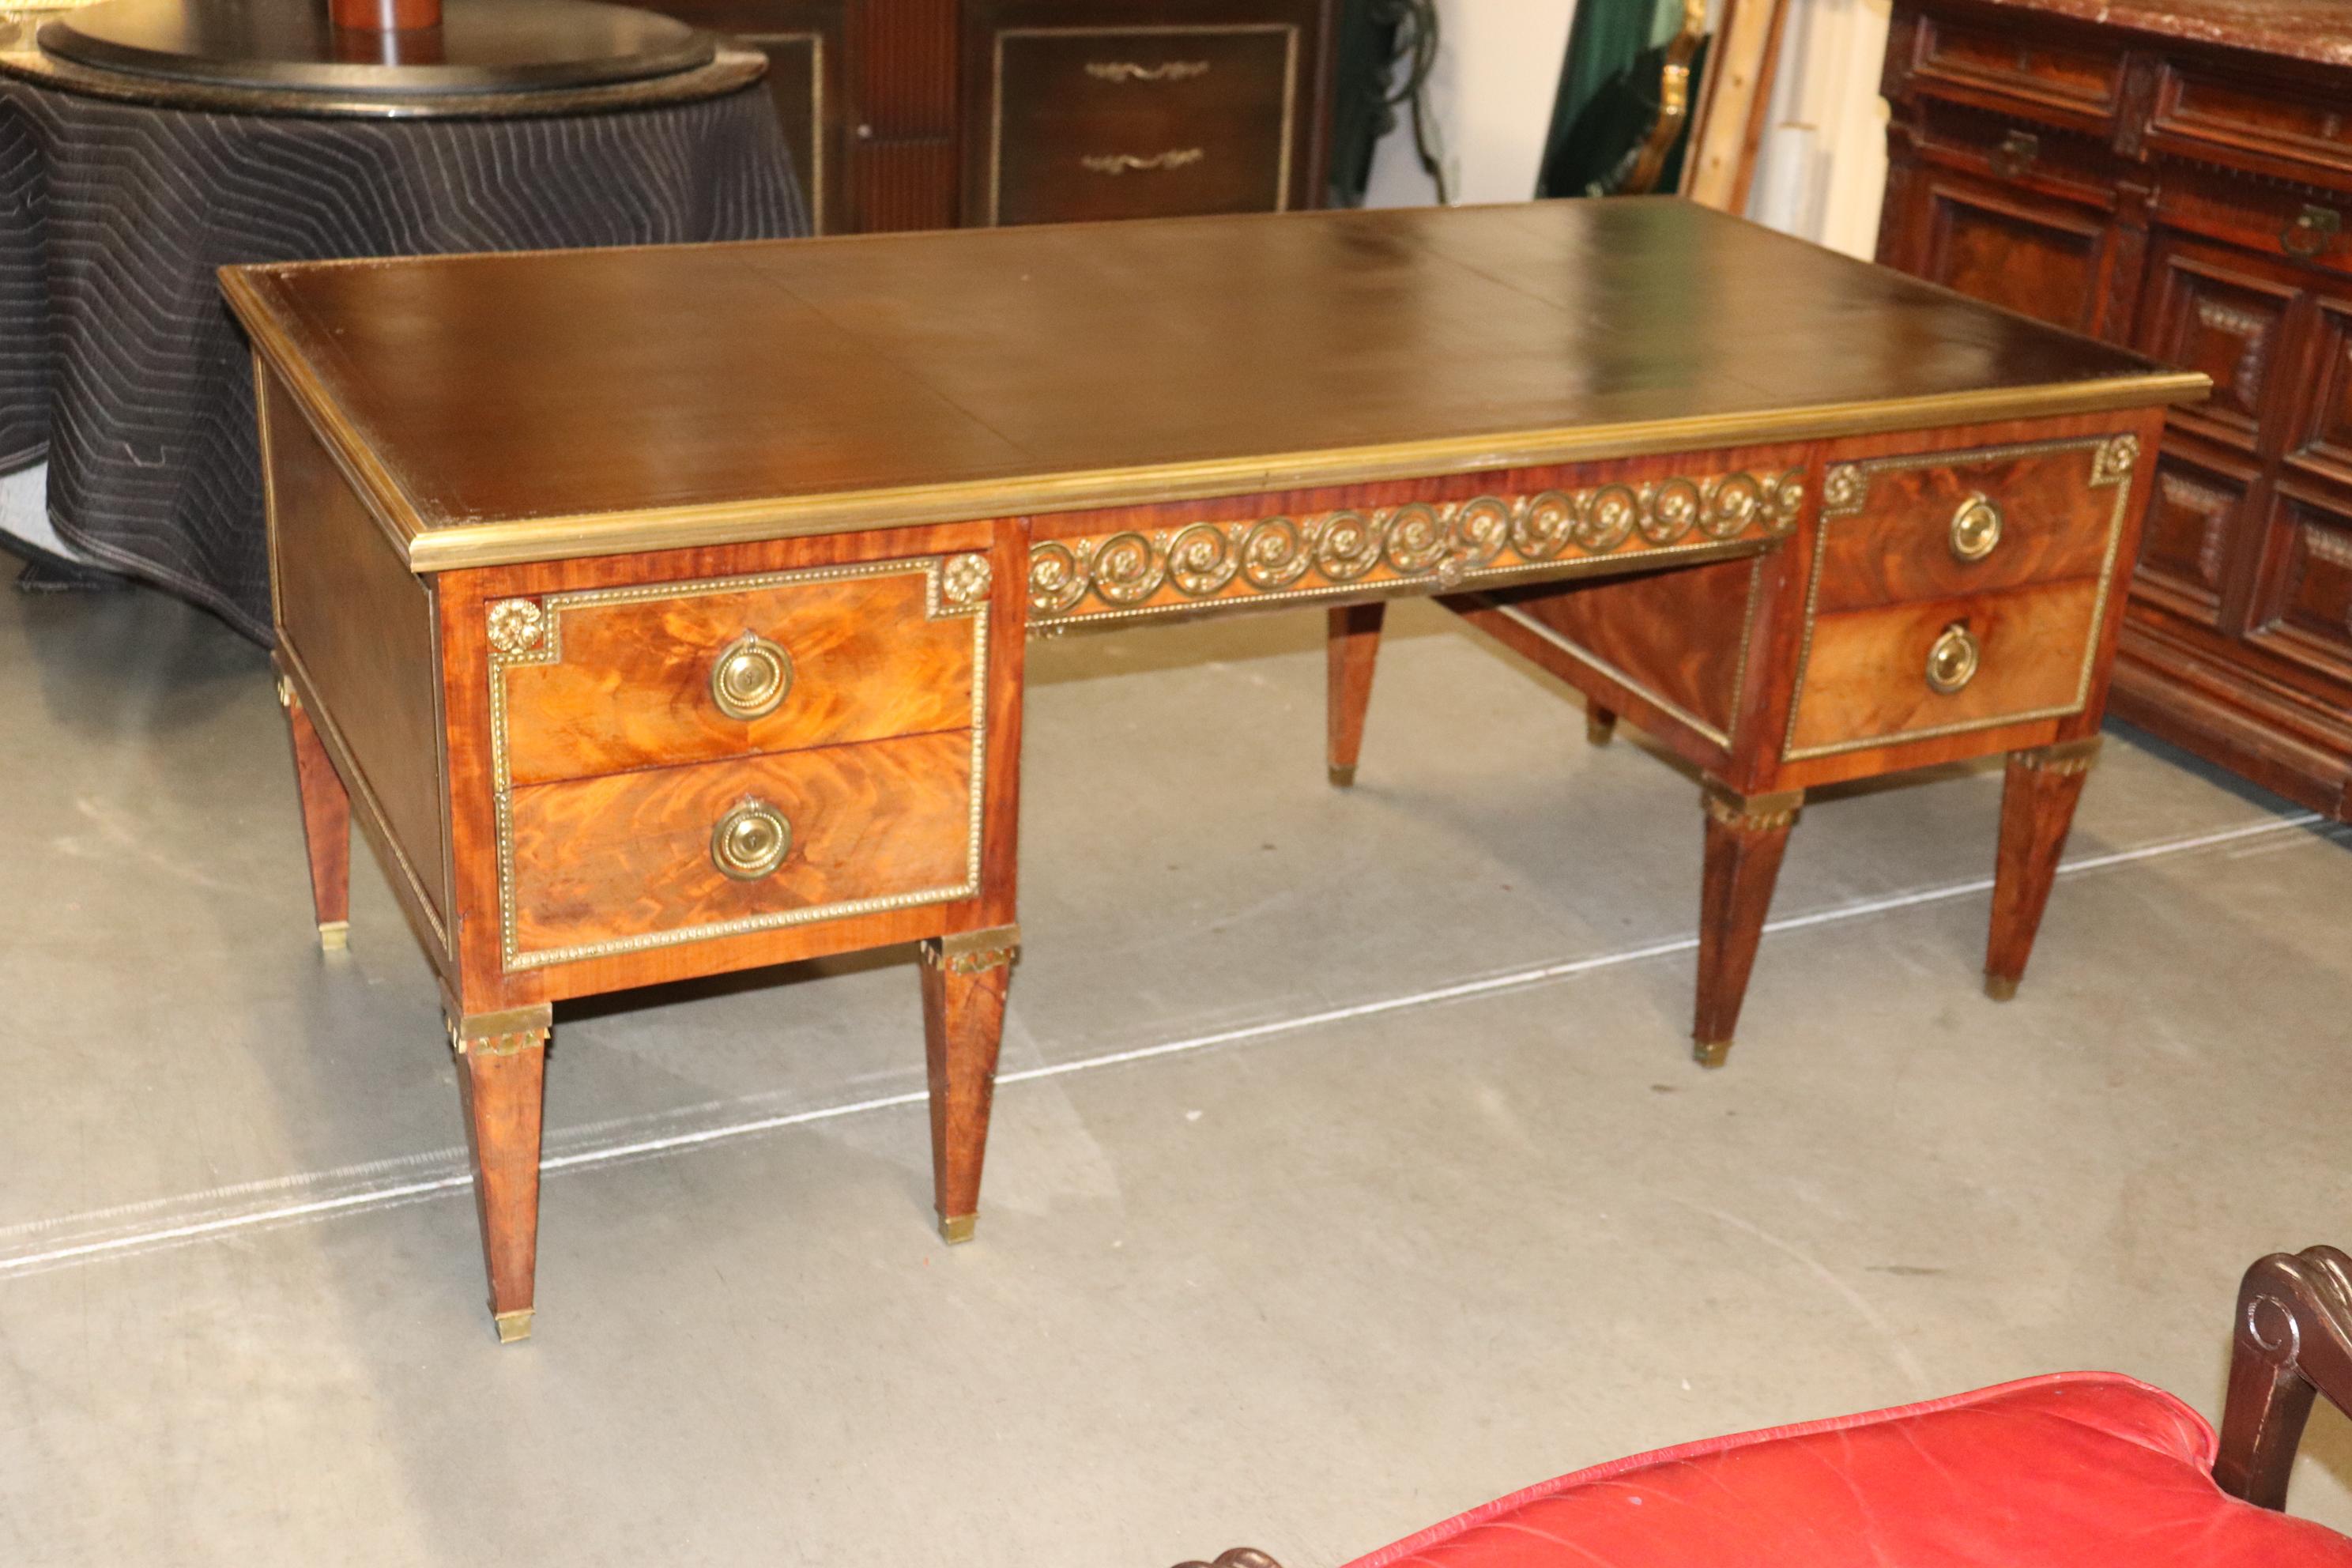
[[2303, 608], [2185, 544], [2042, 257], [2227, 315]]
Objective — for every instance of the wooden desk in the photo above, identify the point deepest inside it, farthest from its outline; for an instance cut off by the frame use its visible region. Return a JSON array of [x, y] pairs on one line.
[[661, 612]]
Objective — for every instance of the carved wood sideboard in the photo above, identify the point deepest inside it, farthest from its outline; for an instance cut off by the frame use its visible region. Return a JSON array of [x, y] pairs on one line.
[[659, 612], [2174, 177], [930, 113]]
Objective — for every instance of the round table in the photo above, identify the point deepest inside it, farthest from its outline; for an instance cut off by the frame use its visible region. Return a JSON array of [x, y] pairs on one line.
[[120, 195]]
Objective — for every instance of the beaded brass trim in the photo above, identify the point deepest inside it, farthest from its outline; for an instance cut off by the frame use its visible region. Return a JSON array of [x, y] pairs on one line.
[[942, 585], [1845, 488], [1428, 546]]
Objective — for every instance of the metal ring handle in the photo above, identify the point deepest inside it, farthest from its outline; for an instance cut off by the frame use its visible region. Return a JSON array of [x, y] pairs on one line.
[[751, 840], [751, 677], [1976, 527], [1953, 660], [2314, 228]]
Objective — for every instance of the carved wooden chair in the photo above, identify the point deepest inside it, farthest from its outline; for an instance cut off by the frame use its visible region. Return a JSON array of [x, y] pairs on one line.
[[2074, 1471]]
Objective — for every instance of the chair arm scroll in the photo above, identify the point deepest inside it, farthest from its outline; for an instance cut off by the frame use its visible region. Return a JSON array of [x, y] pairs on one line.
[[2293, 1341]]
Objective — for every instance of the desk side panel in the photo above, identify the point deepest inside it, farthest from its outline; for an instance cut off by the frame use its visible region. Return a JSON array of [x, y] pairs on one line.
[[357, 628]]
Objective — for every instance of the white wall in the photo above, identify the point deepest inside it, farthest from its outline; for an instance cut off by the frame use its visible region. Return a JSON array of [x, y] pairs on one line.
[[1491, 95], [1823, 168], [1823, 162]]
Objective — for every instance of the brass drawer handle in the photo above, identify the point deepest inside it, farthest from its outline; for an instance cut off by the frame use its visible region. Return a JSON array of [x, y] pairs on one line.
[[1952, 661], [2311, 231], [2016, 154], [1120, 162], [751, 840], [1124, 70], [751, 678], [1976, 527]]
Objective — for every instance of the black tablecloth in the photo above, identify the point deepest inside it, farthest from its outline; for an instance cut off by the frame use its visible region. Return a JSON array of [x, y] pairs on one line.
[[119, 363]]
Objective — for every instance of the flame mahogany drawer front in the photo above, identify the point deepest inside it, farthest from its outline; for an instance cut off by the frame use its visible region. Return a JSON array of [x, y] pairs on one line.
[[694, 672], [1937, 526], [1957, 591], [679, 854], [1108, 123]]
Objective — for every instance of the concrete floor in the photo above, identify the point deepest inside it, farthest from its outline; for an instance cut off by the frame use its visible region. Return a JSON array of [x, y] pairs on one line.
[[1349, 1167]]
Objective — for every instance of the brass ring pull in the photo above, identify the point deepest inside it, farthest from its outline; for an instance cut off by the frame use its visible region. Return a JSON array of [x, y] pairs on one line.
[[1975, 527], [2311, 231], [751, 840], [1952, 662], [751, 678]]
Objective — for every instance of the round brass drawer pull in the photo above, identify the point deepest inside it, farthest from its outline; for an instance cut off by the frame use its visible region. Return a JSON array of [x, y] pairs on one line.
[[751, 678], [1975, 527], [751, 840], [1952, 661]]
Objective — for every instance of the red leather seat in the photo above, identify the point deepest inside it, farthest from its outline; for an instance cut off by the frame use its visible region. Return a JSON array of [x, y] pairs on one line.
[[2074, 1471]]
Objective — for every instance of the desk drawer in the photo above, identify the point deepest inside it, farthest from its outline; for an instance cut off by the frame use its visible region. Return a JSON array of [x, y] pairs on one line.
[[698, 672], [1113, 123], [1936, 527], [1940, 665], [675, 853]]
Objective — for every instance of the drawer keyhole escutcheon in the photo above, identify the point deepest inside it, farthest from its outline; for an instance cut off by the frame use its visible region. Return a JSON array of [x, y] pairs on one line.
[[1975, 527], [751, 678], [751, 840], [1952, 660]]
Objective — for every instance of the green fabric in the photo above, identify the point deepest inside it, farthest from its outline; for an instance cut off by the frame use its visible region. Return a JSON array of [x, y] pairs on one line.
[[1606, 38]]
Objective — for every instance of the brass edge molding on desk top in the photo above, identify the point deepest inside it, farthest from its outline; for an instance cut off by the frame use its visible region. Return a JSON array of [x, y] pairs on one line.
[[380, 496], [440, 547], [516, 542]]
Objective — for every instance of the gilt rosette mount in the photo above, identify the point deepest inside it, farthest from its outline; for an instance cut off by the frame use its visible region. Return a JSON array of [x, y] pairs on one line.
[[1419, 546]]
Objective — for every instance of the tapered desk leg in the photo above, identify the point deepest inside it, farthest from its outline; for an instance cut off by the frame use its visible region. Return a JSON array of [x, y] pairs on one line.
[[1353, 645], [1745, 838], [502, 1077], [965, 978], [2037, 807], [326, 823], [1600, 723]]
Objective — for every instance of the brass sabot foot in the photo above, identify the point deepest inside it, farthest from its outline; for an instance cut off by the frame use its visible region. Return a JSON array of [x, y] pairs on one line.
[[1710, 1053], [959, 1229], [1600, 729], [334, 935], [512, 1326], [1343, 777], [2001, 987]]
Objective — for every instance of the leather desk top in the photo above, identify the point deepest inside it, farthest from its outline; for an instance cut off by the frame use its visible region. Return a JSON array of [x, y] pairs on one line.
[[498, 409]]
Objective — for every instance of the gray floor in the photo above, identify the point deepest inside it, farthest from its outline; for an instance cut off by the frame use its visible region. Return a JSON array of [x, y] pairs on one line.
[[1350, 1166]]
